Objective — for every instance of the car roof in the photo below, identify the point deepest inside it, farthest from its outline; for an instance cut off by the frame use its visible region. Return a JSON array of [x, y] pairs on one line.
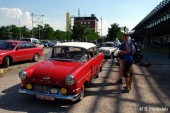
[[85, 45], [16, 41]]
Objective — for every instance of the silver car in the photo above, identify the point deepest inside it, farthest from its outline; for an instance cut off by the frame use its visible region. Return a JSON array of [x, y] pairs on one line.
[[109, 49]]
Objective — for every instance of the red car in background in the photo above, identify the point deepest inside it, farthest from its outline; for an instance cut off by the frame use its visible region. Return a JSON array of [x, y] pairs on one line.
[[14, 51], [70, 69]]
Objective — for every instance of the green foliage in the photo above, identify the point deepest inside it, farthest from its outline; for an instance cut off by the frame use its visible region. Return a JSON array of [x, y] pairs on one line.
[[5, 33], [79, 33], [114, 32], [60, 35], [48, 32], [91, 35], [25, 32]]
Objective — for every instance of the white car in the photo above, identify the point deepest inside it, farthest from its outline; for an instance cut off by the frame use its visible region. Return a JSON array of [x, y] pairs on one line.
[[108, 49], [33, 40]]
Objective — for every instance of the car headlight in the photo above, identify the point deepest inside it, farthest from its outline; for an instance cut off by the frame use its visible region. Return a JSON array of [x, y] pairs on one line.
[[23, 75], [70, 80]]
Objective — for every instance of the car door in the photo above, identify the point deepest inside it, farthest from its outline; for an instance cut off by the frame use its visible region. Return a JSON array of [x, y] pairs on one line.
[[93, 61], [24, 51]]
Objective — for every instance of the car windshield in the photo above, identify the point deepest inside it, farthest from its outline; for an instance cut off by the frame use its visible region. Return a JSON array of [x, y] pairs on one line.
[[107, 45], [7, 45], [69, 53]]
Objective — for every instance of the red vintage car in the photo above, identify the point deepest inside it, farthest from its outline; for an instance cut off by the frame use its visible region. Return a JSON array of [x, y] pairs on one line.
[[14, 51], [65, 74]]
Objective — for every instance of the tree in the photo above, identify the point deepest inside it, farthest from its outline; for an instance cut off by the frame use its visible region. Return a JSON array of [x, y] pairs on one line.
[[68, 35], [82, 33], [78, 33], [59, 35], [37, 32], [91, 35], [48, 32], [114, 32], [25, 32], [5, 33], [2, 32], [14, 31]]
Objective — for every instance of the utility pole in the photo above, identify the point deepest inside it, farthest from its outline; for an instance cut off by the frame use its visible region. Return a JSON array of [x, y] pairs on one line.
[[101, 25], [19, 28], [37, 19]]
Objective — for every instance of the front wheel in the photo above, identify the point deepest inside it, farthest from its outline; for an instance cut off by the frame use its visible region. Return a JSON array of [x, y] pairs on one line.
[[36, 58], [6, 62], [81, 93]]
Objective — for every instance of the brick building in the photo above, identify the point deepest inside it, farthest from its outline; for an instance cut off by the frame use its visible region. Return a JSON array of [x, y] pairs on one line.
[[89, 22]]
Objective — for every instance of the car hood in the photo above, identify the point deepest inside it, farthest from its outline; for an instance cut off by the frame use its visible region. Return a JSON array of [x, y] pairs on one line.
[[54, 71]]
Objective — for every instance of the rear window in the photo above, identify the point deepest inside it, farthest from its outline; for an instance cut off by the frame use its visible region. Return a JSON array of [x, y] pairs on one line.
[[26, 40], [7, 45]]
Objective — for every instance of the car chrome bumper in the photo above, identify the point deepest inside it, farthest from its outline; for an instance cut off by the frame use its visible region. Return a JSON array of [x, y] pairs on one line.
[[56, 96]]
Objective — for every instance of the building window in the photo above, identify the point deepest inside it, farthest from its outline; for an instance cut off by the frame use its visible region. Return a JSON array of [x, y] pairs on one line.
[[84, 22], [88, 22]]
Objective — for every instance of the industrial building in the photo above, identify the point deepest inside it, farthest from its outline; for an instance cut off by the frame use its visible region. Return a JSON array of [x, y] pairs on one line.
[[90, 22], [155, 27]]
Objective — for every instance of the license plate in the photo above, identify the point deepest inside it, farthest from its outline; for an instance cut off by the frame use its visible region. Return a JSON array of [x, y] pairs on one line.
[[43, 97]]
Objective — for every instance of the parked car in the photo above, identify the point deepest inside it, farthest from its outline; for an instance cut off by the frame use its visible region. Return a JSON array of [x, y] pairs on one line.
[[108, 49], [33, 40], [65, 74], [58, 42], [46, 43], [14, 51], [52, 44]]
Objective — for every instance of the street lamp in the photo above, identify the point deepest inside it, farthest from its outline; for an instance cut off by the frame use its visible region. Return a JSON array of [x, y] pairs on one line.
[[101, 25], [19, 28]]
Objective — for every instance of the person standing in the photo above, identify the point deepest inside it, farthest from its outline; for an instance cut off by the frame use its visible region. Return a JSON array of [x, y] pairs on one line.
[[121, 62], [128, 61]]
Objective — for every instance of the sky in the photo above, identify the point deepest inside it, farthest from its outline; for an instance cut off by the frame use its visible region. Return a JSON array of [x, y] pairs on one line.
[[123, 12]]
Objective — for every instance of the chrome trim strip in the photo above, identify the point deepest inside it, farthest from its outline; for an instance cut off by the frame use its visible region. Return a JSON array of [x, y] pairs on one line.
[[56, 96], [87, 74], [24, 55]]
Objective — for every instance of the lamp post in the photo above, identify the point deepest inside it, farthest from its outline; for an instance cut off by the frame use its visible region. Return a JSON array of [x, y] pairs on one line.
[[19, 28], [101, 25]]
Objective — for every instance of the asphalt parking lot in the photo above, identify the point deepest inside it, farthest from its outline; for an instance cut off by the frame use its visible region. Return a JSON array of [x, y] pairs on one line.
[[149, 94]]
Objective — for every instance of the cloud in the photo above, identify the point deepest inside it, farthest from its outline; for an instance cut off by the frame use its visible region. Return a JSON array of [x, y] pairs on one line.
[[11, 13], [15, 16], [56, 24], [9, 16], [27, 20]]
